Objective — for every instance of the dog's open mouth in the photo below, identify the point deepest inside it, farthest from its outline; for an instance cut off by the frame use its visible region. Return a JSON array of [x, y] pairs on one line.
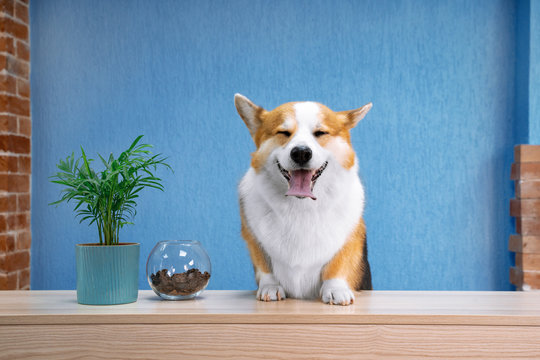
[[301, 182]]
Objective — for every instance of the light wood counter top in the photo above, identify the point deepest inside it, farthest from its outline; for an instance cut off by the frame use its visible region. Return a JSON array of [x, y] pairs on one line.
[[232, 324], [240, 307]]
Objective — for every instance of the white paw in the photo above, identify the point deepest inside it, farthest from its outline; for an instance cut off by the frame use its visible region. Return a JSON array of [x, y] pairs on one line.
[[271, 293], [336, 292], [269, 288]]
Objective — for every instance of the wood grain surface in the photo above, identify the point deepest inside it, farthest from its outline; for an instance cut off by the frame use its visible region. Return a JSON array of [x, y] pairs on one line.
[[268, 341], [233, 325]]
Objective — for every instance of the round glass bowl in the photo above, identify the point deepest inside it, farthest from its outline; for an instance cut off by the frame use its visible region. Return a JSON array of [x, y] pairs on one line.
[[178, 269]]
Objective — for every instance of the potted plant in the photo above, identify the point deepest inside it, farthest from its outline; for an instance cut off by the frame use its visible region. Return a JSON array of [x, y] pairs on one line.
[[107, 272]]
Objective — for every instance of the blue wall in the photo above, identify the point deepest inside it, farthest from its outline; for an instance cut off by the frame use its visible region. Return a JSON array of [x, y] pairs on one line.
[[527, 124], [534, 71], [435, 150], [523, 50]]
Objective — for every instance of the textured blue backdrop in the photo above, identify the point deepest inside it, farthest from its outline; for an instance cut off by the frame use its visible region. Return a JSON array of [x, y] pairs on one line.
[[434, 152]]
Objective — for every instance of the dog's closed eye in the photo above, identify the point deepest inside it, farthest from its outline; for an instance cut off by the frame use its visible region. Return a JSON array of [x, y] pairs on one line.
[[320, 133], [285, 133]]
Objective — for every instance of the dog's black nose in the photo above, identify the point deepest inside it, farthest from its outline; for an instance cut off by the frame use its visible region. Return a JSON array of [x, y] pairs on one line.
[[301, 154]]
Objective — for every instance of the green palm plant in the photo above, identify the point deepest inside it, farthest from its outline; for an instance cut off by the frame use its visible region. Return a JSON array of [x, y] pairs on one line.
[[108, 198]]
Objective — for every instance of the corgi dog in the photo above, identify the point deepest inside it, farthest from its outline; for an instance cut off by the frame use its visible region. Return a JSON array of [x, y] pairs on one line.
[[301, 203]]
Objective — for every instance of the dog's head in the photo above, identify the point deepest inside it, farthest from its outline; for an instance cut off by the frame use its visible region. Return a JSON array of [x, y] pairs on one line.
[[297, 141]]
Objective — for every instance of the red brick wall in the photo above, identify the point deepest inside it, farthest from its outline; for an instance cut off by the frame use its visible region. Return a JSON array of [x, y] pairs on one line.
[[526, 209], [15, 135]]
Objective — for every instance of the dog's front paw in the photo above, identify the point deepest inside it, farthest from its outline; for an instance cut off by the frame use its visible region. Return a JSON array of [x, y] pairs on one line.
[[336, 292], [271, 292], [269, 288]]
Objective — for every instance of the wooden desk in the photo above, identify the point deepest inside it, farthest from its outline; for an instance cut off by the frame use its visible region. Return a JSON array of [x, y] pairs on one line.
[[232, 325]]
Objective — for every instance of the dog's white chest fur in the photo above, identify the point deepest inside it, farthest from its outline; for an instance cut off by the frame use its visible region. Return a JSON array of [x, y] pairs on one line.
[[301, 235]]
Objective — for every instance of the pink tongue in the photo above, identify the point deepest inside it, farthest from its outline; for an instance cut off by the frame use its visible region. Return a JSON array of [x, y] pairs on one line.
[[300, 184]]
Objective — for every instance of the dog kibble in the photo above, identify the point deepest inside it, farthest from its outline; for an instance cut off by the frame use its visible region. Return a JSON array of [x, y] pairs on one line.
[[186, 283]]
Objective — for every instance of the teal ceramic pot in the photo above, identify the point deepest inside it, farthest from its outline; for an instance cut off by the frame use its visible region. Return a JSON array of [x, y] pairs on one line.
[[107, 275]]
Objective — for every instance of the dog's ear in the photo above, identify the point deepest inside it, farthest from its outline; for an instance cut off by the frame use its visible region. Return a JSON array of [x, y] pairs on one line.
[[249, 112], [353, 117]]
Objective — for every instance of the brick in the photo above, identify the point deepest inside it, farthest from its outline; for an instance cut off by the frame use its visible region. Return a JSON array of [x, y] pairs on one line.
[[24, 241], [7, 45], [524, 243], [21, 145], [8, 124], [4, 244], [525, 171], [25, 126], [15, 144], [525, 207], [24, 279], [24, 2], [3, 61], [516, 276], [21, 12], [7, 243], [525, 279], [8, 84], [18, 67], [4, 163], [7, 7], [8, 203], [23, 202], [8, 281], [528, 226], [23, 51], [526, 261], [527, 189], [19, 106], [9, 163], [23, 88], [14, 105], [18, 30], [25, 164], [13, 164], [17, 261], [527, 153], [3, 223], [17, 221], [18, 183], [3, 183]]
